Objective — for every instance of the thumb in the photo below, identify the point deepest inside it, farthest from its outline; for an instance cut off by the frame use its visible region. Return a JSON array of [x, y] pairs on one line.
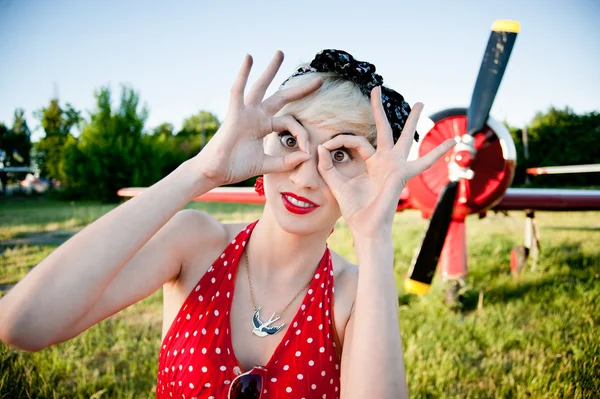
[[330, 175]]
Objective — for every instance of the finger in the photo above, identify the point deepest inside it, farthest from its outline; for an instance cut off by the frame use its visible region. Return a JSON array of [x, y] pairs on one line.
[[274, 103], [408, 133], [429, 159], [237, 90], [359, 143], [274, 164], [384, 130], [330, 175], [258, 90], [290, 124]]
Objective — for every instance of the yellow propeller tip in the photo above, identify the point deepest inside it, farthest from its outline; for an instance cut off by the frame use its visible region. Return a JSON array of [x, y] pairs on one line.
[[503, 25], [416, 287]]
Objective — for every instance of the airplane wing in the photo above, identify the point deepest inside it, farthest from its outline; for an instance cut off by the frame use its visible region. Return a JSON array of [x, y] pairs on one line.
[[245, 195], [546, 199]]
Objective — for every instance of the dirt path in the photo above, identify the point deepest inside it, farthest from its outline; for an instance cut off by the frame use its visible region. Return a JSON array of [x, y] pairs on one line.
[[55, 237]]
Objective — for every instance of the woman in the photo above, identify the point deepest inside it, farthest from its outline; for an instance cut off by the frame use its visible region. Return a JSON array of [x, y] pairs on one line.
[[261, 309]]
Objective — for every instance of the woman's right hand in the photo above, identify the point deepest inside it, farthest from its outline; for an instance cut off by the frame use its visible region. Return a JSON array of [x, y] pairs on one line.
[[236, 151]]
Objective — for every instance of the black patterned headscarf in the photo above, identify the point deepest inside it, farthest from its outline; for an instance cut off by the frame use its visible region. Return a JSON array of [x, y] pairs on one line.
[[363, 75]]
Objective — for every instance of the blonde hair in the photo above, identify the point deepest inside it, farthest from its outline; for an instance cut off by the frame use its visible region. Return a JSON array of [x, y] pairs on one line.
[[338, 102]]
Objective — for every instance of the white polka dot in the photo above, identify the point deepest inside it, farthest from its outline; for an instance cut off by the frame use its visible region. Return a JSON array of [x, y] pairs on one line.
[[217, 294], [233, 242], [166, 369], [323, 373], [204, 331], [229, 277], [191, 350], [310, 291], [273, 379], [309, 340], [309, 318], [300, 376], [197, 288], [244, 243], [191, 368], [212, 280], [287, 342], [322, 285], [331, 381], [180, 367], [223, 368], [177, 336], [226, 382], [337, 366], [237, 246], [191, 385], [298, 353], [313, 386], [225, 263], [218, 350], [322, 350], [327, 313], [207, 385], [288, 389], [303, 307], [222, 256], [200, 298], [317, 276], [204, 369], [311, 363], [286, 367], [204, 351], [295, 324], [298, 332], [320, 326], [187, 334], [175, 352], [216, 312], [228, 295], [216, 331], [182, 350]]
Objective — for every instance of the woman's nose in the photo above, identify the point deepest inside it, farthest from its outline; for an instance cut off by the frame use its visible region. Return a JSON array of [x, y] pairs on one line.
[[306, 174]]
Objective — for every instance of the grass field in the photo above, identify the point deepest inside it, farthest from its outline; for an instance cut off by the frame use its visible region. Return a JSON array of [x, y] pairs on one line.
[[534, 338]]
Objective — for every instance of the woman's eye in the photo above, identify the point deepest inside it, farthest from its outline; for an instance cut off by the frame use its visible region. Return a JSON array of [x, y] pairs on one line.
[[341, 155], [287, 140]]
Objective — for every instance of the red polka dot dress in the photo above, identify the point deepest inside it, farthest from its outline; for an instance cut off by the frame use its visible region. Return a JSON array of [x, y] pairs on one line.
[[196, 358]]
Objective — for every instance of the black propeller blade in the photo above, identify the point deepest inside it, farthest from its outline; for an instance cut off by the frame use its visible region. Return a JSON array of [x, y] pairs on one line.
[[492, 69], [419, 277]]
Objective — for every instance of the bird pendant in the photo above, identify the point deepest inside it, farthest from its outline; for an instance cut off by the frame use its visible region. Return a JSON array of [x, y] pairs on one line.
[[261, 329]]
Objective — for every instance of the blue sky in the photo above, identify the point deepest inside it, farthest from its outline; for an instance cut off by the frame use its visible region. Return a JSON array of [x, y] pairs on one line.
[[182, 56]]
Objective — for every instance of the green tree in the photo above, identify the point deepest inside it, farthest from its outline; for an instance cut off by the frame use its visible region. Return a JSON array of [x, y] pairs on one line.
[[560, 137], [21, 140], [200, 128], [111, 152], [57, 124]]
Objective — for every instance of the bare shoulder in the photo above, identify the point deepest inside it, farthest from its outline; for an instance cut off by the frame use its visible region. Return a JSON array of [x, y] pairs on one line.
[[199, 235]]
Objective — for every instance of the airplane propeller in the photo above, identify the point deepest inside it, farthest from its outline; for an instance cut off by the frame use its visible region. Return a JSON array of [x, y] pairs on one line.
[[492, 69]]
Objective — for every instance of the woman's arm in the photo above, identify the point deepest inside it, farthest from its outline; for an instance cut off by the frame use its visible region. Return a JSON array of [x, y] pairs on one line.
[[66, 285], [372, 359], [64, 293]]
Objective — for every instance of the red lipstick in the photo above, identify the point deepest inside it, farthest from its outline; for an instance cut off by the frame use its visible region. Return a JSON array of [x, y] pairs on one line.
[[299, 210]]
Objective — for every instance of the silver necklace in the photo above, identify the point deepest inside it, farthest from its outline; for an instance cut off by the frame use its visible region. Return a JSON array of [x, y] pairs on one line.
[[260, 328]]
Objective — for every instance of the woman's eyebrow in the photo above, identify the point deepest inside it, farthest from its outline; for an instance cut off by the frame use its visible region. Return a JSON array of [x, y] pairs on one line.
[[337, 134]]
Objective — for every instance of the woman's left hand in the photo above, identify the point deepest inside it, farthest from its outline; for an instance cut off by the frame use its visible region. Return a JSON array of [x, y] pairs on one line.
[[368, 201]]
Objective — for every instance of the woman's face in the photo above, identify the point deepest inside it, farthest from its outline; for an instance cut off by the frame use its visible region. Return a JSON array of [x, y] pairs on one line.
[[317, 210]]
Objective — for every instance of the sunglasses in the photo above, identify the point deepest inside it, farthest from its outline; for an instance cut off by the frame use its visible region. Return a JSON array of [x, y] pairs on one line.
[[248, 385]]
